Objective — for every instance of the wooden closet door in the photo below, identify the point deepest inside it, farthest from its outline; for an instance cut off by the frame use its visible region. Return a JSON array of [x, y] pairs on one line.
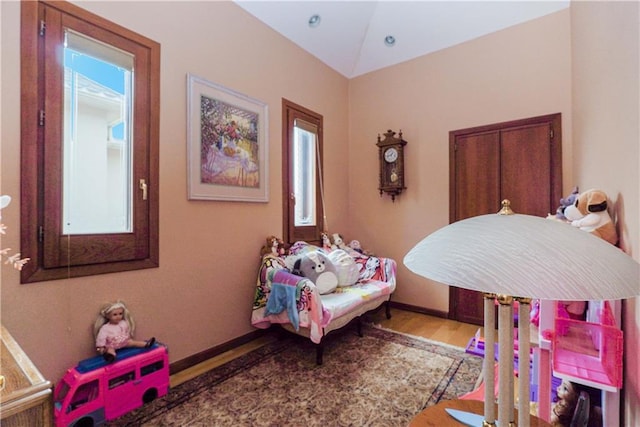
[[526, 170], [520, 161], [476, 174]]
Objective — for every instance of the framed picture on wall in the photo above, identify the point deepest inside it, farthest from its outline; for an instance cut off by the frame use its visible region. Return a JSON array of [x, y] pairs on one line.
[[227, 144]]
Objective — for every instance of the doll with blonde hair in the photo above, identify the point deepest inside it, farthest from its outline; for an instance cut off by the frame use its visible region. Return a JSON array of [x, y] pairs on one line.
[[113, 330]]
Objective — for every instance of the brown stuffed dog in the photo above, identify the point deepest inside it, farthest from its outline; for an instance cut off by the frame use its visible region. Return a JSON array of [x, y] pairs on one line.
[[589, 213]]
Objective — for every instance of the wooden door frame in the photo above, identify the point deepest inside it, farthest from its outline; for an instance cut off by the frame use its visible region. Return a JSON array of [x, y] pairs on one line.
[[290, 232], [555, 123]]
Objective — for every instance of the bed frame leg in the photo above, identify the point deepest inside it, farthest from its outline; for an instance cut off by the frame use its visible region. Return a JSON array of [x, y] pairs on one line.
[[319, 352], [359, 326], [387, 306]]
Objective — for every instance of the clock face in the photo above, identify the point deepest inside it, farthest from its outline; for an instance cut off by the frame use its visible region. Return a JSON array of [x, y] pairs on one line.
[[391, 155]]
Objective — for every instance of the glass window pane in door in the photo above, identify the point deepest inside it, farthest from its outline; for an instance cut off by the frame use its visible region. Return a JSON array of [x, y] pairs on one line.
[[304, 170]]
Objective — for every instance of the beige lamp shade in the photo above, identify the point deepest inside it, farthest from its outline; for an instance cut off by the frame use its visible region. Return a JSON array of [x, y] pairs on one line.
[[525, 256]]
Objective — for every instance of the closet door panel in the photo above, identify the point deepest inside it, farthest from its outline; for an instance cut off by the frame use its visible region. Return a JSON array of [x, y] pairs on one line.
[[476, 160], [525, 166], [477, 175]]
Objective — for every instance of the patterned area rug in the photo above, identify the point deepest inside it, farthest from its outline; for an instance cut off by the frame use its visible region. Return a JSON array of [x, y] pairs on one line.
[[381, 379]]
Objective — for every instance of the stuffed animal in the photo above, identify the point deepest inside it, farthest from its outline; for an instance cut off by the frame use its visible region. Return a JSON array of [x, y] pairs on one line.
[[282, 248], [326, 241], [299, 247], [589, 213], [346, 267], [355, 245], [317, 267], [338, 242], [566, 202], [273, 247]]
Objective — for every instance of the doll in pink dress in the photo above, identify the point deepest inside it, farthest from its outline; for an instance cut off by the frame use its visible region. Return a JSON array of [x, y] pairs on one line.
[[114, 329]]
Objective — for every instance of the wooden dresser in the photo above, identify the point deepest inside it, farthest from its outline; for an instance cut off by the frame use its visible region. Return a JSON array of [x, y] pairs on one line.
[[25, 396]]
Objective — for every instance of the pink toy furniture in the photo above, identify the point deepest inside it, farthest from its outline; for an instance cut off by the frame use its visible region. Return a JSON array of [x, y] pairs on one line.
[[94, 391], [585, 352], [589, 352]]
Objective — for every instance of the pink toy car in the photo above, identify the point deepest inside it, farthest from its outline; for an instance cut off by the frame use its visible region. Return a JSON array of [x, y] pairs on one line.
[[94, 391]]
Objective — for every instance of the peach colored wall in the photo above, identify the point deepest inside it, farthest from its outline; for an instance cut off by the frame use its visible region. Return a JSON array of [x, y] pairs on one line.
[[606, 111], [520, 72], [201, 295]]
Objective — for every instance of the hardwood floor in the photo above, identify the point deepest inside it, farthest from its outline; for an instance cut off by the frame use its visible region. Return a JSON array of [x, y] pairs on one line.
[[425, 326], [408, 322], [218, 360]]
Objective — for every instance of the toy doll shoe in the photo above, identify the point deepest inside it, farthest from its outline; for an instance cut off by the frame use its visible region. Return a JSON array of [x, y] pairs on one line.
[[150, 342], [109, 358]]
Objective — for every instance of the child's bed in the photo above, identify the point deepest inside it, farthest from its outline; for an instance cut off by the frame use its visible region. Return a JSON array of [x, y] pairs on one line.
[[295, 303]]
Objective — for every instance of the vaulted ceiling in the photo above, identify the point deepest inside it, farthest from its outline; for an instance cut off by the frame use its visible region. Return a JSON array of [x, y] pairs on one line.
[[349, 36]]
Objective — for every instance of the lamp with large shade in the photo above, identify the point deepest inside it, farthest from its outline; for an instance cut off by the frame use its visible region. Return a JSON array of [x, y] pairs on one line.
[[511, 256]]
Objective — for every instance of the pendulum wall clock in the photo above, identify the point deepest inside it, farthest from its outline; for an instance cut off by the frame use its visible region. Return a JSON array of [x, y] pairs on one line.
[[391, 155]]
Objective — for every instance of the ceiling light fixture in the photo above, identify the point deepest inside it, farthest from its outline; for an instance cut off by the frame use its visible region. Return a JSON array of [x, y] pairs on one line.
[[314, 21], [390, 41]]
